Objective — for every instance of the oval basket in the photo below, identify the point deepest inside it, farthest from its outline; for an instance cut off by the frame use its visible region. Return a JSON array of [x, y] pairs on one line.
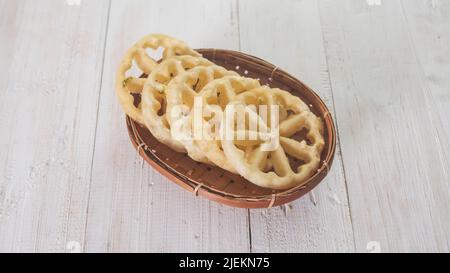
[[222, 186]]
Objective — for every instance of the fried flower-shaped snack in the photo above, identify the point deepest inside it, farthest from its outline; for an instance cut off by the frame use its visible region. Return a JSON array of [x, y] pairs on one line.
[[181, 94], [126, 86], [297, 155], [154, 96], [215, 97]]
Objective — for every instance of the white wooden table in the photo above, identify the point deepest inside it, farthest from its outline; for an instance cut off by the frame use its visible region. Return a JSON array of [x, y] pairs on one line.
[[71, 181]]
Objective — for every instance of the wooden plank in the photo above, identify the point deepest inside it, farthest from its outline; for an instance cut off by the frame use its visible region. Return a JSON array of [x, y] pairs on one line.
[[429, 29], [388, 63], [133, 208], [48, 102], [391, 138], [289, 35]]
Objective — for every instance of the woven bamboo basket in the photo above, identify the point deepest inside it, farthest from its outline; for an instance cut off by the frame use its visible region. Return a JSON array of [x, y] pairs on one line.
[[219, 185]]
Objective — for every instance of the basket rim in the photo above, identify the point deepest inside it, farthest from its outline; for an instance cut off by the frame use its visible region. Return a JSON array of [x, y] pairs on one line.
[[237, 200]]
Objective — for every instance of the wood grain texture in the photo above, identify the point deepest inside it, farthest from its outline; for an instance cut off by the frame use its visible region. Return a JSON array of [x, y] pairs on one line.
[[293, 40], [429, 29], [71, 181], [391, 142], [48, 101], [428, 25], [132, 207]]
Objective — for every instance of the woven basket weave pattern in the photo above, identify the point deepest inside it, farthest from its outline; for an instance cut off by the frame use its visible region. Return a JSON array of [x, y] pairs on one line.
[[213, 182]]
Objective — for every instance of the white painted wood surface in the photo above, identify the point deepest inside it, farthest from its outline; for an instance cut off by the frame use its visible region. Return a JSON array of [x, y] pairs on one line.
[[397, 176], [133, 208], [51, 59], [70, 180], [320, 222]]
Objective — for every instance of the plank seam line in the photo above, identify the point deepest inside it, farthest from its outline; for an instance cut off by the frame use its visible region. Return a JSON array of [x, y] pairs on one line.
[[238, 24], [238, 16], [337, 127], [67, 216], [426, 92], [250, 231], [426, 89], [96, 121]]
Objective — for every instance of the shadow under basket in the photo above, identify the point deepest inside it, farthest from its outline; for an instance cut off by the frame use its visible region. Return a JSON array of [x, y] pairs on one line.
[[213, 182]]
